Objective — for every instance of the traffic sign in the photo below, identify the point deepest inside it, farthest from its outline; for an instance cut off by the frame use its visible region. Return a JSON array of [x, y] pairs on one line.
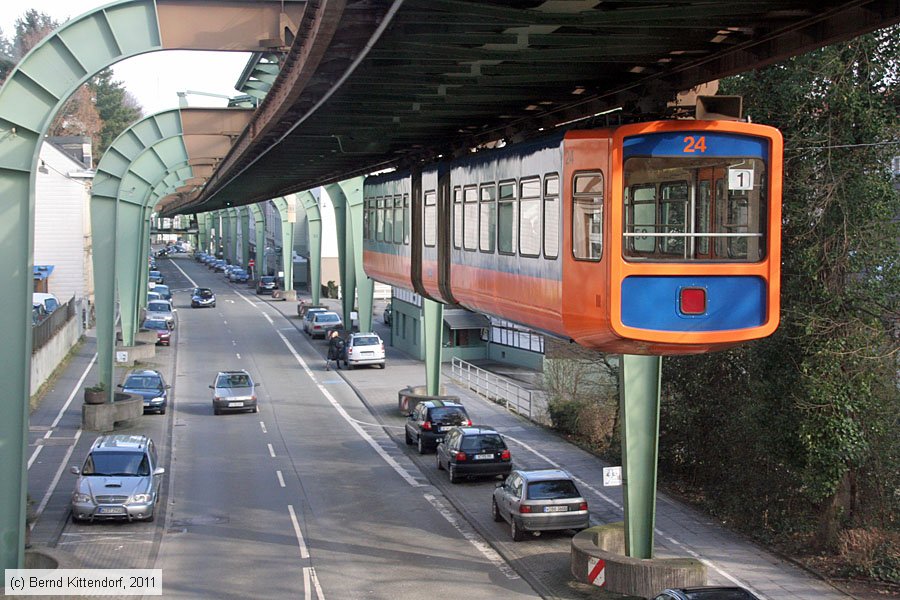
[[251, 263], [597, 571]]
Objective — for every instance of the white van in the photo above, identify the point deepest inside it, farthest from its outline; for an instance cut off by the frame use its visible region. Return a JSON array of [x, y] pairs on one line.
[[48, 300]]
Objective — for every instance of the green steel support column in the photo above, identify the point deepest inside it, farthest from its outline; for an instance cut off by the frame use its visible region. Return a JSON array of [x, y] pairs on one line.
[[202, 232], [287, 210], [433, 322], [104, 223], [233, 216], [345, 249], [129, 249], [244, 216], [314, 223], [365, 287], [259, 229], [639, 384], [227, 241]]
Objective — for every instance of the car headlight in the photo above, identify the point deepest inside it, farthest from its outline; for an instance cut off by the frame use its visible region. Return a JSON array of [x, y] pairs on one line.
[[78, 497], [139, 499]]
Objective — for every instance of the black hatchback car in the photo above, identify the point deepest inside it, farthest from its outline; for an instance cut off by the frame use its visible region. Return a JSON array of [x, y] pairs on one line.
[[476, 451], [266, 285], [430, 421]]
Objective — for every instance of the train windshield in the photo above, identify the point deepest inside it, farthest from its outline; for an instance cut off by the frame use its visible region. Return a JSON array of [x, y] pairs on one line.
[[704, 209]]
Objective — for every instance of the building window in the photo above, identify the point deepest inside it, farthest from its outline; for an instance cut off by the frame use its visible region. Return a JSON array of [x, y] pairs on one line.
[[506, 333]]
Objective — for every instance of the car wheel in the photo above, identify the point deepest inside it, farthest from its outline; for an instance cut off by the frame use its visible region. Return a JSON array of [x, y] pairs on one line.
[[151, 518], [437, 459], [76, 520], [515, 530], [256, 408], [451, 472], [408, 438], [383, 366], [162, 411], [216, 411], [420, 446], [495, 511], [213, 305]]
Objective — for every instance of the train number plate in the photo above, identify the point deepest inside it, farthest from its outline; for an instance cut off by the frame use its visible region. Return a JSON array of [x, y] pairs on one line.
[[556, 508]]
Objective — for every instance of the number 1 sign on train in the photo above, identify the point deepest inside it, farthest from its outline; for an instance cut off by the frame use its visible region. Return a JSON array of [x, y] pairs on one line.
[[650, 238]]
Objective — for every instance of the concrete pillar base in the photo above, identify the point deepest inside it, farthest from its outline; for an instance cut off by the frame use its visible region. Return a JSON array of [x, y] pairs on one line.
[[135, 353], [408, 398], [626, 575], [126, 409]]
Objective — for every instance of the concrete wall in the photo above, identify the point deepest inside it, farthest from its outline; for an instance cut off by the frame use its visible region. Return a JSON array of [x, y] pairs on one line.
[[45, 360], [516, 356]]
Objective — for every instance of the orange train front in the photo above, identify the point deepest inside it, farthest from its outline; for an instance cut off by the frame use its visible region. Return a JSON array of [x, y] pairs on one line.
[[653, 238]]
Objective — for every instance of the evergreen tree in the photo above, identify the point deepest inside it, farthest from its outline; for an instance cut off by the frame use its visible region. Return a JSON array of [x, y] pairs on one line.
[[116, 106]]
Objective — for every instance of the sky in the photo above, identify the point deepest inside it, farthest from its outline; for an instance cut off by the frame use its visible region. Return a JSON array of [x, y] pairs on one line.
[[153, 78]]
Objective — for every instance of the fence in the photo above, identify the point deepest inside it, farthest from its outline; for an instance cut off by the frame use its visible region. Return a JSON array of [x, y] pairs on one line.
[[496, 388], [44, 331]]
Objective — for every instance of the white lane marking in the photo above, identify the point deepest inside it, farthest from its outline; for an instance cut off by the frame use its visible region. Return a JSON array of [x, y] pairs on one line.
[[263, 426], [234, 342], [280, 478], [268, 318], [186, 276], [271, 450], [238, 354], [352, 422], [476, 540], [304, 553], [307, 586], [319, 593], [55, 482], [59, 415], [712, 565]]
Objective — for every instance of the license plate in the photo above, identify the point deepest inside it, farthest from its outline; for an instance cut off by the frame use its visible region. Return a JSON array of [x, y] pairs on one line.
[[232, 404], [556, 508], [367, 353], [444, 428], [111, 510], [484, 456]]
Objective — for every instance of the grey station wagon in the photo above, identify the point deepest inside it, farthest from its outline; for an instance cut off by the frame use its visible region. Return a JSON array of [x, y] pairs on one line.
[[544, 500]]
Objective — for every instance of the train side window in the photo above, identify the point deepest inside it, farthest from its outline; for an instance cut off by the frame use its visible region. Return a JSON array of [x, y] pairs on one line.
[[406, 222], [673, 203], [379, 219], [551, 216], [704, 200], [429, 224], [488, 217], [367, 217], [470, 218], [457, 217], [640, 217], [506, 218], [398, 220], [388, 219], [587, 216], [530, 217]]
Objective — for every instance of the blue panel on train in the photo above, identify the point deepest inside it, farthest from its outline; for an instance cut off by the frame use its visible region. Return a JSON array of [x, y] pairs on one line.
[[696, 144], [731, 303]]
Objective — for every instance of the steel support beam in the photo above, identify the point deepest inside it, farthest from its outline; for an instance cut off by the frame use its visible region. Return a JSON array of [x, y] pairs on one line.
[[353, 194], [259, 229], [287, 210], [345, 248], [314, 226], [433, 328]]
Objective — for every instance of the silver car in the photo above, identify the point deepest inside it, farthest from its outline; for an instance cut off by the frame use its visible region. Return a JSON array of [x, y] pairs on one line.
[[323, 322], [119, 480], [545, 500], [363, 349], [234, 390], [161, 309]]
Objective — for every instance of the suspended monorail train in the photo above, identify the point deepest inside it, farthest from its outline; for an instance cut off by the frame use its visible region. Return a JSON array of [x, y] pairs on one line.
[[653, 238]]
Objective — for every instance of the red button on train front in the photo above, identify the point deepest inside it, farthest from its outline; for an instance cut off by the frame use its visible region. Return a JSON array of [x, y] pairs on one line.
[[693, 301]]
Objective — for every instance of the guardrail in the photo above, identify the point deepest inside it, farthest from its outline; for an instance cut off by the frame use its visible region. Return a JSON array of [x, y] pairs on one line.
[[494, 387]]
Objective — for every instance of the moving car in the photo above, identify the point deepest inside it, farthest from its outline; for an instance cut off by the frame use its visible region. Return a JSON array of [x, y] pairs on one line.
[[151, 386], [706, 593], [323, 322], [431, 420], [234, 390], [477, 451], [266, 284], [119, 480], [160, 309], [542, 500], [201, 297], [363, 349], [162, 328]]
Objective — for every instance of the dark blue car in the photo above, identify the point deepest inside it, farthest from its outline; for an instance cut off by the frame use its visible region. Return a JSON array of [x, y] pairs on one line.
[[151, 386]]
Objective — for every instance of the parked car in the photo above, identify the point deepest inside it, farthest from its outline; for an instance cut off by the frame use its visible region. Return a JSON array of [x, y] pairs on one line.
[[48, 301], [266, 284], [543, 500], [151, 295], [234, 390], [308, 315], [164, 291], [387, 315], [119, 480], [38, 313], [706, 593], [156, 277], [431, 420], [238, 275], [160, 309], [363, 349], [476, 451], [162, 328], [323, 322], [201, 297], [151, 386]]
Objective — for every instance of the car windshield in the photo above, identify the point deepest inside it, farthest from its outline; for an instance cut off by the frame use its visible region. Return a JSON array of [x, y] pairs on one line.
[[488, 442], [154, 273], [154, 324], [159, 307], [204, 293], [267, 279], [366, 341], [326, 318], [551, 490], [143, 382], [51, 304], [129, 464], [448, 414], [234, 380], [161, 289]]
